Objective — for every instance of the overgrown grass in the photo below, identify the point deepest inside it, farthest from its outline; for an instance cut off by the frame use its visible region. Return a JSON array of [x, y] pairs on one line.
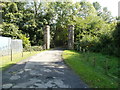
[[5, 61], [94, 76]]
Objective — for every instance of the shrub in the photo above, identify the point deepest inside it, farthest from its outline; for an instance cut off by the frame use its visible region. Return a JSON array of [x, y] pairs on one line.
[[116, 38], [27, 49], [89, 42], [105, 40], [37, 48], [33, 48], [26, 42]]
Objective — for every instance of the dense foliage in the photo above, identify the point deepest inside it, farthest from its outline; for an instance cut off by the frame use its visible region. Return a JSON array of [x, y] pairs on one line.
[[95, 28]]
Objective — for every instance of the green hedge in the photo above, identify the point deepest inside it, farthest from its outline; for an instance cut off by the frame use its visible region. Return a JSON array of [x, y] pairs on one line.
[[33, 48]]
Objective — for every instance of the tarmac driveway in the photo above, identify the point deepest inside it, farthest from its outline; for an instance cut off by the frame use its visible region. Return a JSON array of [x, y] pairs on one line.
[[44, 70]]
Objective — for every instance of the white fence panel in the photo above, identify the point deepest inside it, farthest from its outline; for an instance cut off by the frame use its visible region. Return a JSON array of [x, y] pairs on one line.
[[16, 45], [7, 45]]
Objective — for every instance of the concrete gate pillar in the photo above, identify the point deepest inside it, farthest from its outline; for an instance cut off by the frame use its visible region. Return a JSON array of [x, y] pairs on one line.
[[47, 37], [71, 37]]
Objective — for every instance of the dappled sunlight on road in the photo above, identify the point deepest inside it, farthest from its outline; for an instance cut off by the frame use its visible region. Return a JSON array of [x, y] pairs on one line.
[[44, 70]]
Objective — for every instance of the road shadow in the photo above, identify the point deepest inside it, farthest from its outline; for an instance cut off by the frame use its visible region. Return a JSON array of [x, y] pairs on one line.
[[53, 74]]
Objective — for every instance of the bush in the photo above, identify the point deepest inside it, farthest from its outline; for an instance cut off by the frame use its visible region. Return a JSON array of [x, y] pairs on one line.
[[89, 42], [26, 42], [37, 48], [27, 49], [105, 40], [116, 38], [33, 48]]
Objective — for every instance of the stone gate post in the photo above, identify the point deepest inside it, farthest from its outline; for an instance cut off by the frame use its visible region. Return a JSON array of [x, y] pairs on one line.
[[71, 37], [47, 37]]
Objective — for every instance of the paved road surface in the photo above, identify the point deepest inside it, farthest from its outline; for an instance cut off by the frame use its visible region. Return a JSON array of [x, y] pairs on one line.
[[44, 70]]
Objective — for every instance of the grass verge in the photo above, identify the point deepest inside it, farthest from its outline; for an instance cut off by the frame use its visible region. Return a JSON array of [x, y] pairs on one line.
[[94, 76], [5, 61]]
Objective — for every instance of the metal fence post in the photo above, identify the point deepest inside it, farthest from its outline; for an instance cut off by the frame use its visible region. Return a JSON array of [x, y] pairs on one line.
[[11, 54], [22, 53]]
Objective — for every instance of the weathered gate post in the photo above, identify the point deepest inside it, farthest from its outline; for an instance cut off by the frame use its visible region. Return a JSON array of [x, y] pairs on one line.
[[47, 37], [71, 37]]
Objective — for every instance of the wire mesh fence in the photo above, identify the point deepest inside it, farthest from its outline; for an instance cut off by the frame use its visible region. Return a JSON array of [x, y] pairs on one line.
[[5, 45], [11, 51], [16, 46], [10, 46]]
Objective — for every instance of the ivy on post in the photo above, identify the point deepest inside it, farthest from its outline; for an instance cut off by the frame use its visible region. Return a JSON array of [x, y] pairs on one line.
[[71, 37]]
